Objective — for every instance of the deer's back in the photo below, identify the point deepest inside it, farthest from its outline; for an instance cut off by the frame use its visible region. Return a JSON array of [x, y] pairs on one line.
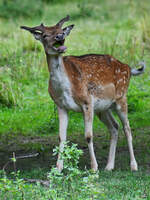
[[100, 75]]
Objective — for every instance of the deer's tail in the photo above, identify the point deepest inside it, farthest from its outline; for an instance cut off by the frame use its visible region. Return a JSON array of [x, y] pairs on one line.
[[136, 72]]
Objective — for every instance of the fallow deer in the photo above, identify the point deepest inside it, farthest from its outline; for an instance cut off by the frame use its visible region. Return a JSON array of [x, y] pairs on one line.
[[91, 83]]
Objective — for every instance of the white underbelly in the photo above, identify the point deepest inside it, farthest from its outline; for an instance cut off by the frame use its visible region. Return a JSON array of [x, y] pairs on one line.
[[65, 100], [102, 104]]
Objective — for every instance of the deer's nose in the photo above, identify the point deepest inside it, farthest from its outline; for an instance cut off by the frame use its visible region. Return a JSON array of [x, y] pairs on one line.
[[59, 37]]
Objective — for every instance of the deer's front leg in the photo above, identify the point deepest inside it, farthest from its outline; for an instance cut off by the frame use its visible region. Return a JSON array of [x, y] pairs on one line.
[[107, 118], [88, 123], [63, 123]]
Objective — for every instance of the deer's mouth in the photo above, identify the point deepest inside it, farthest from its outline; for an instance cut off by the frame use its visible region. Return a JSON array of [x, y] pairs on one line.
[[59, 46]]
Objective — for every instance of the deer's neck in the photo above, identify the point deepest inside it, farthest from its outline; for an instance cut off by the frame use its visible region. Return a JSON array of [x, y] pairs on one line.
[[55, 63]]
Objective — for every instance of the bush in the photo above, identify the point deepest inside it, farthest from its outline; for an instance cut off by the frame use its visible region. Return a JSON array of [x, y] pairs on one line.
[[17, 8], [71, 184]]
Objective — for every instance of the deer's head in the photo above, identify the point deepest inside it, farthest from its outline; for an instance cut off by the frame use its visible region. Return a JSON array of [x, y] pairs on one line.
[[52, 37]]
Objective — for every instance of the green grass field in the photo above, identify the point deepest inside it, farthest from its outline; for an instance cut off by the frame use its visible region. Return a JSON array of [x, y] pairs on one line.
[[28, 117]]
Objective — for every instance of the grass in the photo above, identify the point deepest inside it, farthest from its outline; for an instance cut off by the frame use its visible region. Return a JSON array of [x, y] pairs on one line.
[[119, 28], [117, 185]]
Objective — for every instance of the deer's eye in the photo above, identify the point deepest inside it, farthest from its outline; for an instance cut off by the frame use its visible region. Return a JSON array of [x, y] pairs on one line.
[[44, 36]]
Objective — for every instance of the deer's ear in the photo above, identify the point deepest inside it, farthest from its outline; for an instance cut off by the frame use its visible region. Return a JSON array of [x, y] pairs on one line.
[[37, 35], [67, 29]]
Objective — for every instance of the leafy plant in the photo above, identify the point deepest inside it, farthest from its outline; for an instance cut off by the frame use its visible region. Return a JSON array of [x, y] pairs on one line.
[[72, 183]]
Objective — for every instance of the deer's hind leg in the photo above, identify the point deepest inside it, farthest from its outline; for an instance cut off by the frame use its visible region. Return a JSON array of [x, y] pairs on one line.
[[122, 111], [108, 119]]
